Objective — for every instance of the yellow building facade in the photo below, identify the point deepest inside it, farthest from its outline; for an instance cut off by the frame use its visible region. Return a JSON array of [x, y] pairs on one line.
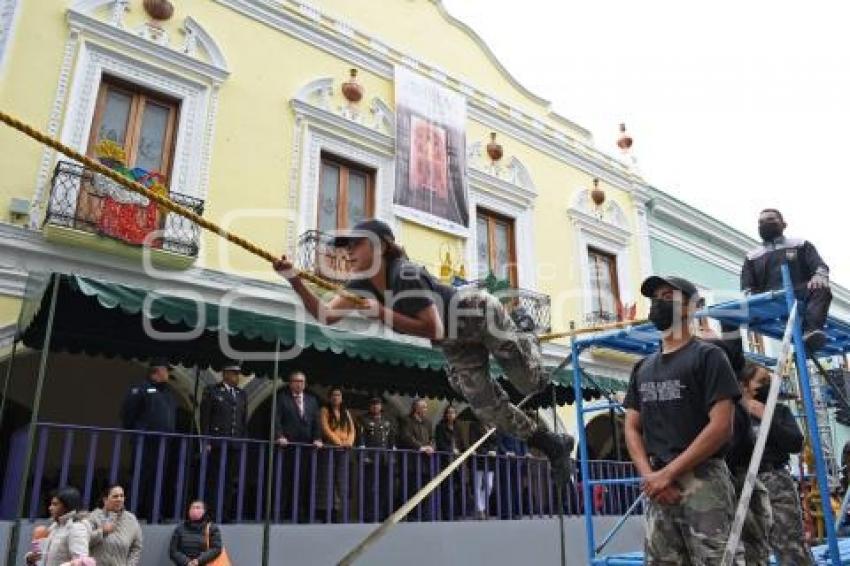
[[240, 105]]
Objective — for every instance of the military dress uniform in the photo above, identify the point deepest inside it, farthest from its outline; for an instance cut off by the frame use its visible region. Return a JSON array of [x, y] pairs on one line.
[[224, 411], [377, 432]]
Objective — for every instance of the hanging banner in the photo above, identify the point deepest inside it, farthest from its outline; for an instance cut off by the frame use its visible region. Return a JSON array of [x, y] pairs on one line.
[[430, 149]]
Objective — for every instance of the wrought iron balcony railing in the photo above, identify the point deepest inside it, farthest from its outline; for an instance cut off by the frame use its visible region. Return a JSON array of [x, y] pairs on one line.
[[84, 200], [316, 254], [531, 311]]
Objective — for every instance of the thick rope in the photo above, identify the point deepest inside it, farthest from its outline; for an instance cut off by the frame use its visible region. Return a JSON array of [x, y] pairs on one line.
[[591, 329], [168, 204]]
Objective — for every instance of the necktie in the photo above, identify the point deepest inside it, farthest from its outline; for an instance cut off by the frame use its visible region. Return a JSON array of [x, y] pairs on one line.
[[300, 402]]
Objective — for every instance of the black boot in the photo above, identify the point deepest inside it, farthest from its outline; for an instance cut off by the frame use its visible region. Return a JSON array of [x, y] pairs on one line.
[[557, 448]]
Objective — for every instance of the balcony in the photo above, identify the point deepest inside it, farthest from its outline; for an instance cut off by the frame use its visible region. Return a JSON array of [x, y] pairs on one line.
[[92, 211], [316, 254], [162, 472]]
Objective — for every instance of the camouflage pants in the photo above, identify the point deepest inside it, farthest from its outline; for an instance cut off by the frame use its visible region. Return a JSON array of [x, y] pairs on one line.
[[757, 524], [786, 537], [694, 531], [483, 327]]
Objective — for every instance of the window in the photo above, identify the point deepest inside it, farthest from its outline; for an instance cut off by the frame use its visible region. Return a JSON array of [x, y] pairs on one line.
[[143, 123], [346, 194], [605, 294], [496, 251]]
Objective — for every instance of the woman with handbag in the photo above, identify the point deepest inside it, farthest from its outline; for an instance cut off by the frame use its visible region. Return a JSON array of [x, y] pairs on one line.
[[197, 540], [116, 538]]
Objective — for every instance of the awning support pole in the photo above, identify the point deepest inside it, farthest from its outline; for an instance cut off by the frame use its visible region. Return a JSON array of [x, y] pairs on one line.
[[7, 381], [36, 405]]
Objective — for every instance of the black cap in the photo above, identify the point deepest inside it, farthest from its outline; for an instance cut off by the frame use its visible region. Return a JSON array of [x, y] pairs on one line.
[[364, 229], [688, 289], [232, 366], [376, 401], [159, 363]]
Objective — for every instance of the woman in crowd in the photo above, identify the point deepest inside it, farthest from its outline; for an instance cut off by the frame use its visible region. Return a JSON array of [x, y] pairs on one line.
[[68, 535], [197, 540], [449, 443], [338, 430], [116, 538], [785, 438]]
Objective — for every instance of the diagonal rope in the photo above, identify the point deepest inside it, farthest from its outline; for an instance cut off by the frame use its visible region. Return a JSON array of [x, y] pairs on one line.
[[168, 204]]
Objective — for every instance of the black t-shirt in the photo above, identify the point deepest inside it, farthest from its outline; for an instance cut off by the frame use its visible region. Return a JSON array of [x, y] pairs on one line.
[[410, 288], [674, 393]]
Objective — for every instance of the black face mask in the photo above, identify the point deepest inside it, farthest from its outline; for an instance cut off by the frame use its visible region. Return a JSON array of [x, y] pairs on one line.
[[769, 231], [762, 393], [661, 313]]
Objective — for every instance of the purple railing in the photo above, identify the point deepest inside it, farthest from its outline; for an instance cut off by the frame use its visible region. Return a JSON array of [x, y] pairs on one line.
[[161, 473]]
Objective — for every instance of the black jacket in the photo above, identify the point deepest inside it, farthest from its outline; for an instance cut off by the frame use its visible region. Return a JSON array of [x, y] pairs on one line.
[[189, 541], [293, 426], [222, 414], [762, 270], [150, 406], [447, 440], [783, 439]]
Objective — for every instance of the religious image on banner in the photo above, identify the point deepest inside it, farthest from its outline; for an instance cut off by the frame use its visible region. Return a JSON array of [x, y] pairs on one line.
[[430, 148]]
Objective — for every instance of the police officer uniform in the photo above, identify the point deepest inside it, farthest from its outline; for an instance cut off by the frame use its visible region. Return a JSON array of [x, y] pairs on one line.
[[150, 407], [224, 412]]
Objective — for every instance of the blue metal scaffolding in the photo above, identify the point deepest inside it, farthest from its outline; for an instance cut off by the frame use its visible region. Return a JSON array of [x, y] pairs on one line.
[[766, 314]]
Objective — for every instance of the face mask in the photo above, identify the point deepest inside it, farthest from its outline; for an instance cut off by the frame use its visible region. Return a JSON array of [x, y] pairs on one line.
[[769, 231], [661, 314], [196, 514], [762, 392]]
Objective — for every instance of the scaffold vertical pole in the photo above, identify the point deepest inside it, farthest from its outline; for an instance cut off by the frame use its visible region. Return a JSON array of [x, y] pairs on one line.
[[811, 419], [583, 455]]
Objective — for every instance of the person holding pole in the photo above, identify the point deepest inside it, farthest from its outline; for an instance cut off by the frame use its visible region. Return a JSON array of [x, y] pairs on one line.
[[468, 325], [785, 438], [679, 414]]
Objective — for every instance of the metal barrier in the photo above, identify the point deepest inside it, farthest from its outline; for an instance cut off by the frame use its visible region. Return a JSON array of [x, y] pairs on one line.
[[161, 473]]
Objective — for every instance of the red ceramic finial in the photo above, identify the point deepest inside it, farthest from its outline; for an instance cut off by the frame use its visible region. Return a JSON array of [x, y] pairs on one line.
[[351, 89], [494, 149], [597, 195], [625, 141]]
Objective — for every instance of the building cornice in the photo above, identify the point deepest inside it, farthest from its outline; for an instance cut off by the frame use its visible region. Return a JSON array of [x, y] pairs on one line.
[[160, 53], [695, 248], [670, 210], [335, 125], [306, 23]]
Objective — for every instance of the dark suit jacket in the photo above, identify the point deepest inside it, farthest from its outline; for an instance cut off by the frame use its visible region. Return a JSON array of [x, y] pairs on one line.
[[294, 427], [222, 414]]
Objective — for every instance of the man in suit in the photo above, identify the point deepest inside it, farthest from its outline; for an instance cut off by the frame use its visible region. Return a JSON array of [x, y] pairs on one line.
[[298, 423], [224, 412]]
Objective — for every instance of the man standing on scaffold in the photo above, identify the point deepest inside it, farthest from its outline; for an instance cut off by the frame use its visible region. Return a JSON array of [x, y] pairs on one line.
[[679, 410]]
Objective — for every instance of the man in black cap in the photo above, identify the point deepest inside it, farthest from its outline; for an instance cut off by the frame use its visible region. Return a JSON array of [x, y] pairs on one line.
[[762, 271], [679, 411], [468, 325], [224, 412], [150, 407]]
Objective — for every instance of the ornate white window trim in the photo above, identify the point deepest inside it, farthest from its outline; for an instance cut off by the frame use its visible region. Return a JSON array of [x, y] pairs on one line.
[[346, 132], [8, 17], [512, 200], [191, 151], [607, 231], [141, 61]]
